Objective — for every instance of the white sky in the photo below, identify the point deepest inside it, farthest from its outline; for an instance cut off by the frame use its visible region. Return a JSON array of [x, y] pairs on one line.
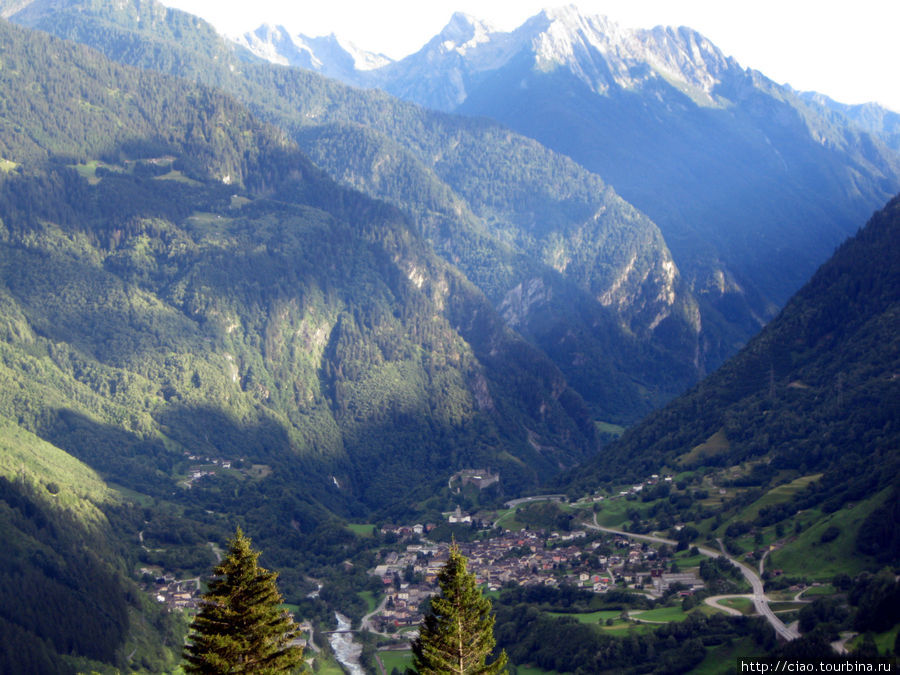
[[846, 49]]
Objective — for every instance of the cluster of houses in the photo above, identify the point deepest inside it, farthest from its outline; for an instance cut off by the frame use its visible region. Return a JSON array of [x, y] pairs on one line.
[[653, 480], [175, 594], [406, 592], [524, 558], [207, 467], [407, 530]]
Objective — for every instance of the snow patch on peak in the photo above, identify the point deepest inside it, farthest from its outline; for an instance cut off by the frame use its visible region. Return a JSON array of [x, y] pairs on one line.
[[268, 42], [569, 21], [464, 33], [601, 52], [598, 51], [328, 55], [594, 48], [362, 59], [686, 55]]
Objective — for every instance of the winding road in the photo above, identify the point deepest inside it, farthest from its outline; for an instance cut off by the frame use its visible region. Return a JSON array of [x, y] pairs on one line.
[[714, 600], [366, 623], [760, 601]]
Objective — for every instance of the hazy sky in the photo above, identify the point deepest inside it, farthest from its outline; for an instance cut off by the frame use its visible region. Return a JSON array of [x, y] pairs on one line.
[[847, 49]]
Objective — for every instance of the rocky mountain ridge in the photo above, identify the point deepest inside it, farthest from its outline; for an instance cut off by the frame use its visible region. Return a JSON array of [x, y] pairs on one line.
[[500, 207], [729, 164]]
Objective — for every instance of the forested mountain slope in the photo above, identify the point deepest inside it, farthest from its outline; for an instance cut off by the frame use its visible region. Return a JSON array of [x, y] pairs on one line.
[[68, 599], [752, 185], [159, 229], [569, 264], [816, 394], [180, 286]]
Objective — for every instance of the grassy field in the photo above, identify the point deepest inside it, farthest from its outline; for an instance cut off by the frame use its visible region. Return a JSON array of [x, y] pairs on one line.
[[778, 495], [743, 605], [608, 428], [401, 659], [178, 177], [685, 559], [370, 598], [786, 606], [716, 444], [508, 521], [722, 658], [360, 529], [591, 617], [808, 556], [533, 670], [88, 170], [259, 471], [615, 512], [328, 666], [885, 641], [579, 509], [623, 628], [128, 495], [666, 614], [815, 591]]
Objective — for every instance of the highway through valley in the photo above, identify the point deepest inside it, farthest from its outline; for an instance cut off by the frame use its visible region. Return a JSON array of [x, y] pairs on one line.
[[760, 601]]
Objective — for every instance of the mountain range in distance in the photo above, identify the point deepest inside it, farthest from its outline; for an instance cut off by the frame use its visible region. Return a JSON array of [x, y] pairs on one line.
[[709, 150], [564, 259], [235, 291], [731, 167], [750, 187]]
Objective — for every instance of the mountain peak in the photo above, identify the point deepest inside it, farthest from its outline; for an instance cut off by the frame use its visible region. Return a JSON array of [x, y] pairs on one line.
[[570, 20], [566, 14], [463, 31], [329, 54]]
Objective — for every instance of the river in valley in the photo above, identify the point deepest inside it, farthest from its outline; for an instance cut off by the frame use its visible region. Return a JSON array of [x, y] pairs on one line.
[[345, 648]]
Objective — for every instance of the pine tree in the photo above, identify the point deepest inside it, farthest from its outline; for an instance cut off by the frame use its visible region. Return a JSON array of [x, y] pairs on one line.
[[240, 627], [458, 633]]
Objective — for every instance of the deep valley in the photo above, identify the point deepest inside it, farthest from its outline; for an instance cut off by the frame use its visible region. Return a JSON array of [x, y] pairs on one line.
[[637, 355]]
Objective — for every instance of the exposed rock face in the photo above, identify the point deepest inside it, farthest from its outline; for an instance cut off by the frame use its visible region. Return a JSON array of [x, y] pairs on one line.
[[520, 300]]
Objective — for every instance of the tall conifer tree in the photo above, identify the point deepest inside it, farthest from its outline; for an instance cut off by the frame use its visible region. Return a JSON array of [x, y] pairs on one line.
[[458, 633], [240, 627]]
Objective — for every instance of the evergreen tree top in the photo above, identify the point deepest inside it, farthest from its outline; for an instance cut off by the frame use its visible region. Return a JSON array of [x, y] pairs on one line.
[[458, 633], [241, 627]]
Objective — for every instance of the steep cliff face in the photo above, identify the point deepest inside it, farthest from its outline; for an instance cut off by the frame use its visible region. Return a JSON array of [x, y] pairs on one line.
[[185, 248], [751, 184], [498, 206], [812, 393]]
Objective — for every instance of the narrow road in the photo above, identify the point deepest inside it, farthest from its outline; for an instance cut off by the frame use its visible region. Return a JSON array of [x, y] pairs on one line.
[[540, 498], [366, 623], [714, 600], [840, 645], [760, 602]]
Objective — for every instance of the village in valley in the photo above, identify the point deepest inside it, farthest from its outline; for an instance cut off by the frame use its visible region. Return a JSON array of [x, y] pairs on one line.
[[588, 559], [559, 542], [527, 558]]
